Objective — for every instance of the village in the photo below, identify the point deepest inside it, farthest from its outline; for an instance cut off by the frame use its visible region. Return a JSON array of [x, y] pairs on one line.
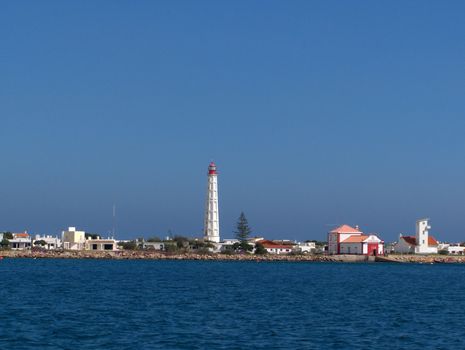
[[344, 240]]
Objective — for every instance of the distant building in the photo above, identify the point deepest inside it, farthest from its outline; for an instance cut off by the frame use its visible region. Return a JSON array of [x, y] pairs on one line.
[[151, 245], [74, 240], [306, 247], [421, 243], [424, 245], [277, 248], [100, 244], [20, 241], [349, 240], [50, 243], [227, 245], [456, 250]]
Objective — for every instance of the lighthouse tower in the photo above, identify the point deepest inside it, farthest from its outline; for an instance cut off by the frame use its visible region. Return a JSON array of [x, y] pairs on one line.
[[211, 229], [422, 236]]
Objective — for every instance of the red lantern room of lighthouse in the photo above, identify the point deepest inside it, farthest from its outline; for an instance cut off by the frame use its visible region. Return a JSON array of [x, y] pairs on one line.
[[212, 169]]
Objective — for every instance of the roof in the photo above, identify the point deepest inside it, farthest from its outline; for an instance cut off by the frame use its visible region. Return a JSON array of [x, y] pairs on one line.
[[355, 239], [345, 229], [412, 240], [21, 235], [272, 245]]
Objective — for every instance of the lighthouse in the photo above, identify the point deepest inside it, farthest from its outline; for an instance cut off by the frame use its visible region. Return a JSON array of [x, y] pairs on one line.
[[211, 229]]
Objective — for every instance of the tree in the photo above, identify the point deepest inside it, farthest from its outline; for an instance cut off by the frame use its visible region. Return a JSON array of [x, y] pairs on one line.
[[5, 244], [260, 249], [181, 242], [131, 245], [41, 243], [7, 235], [154, 239], [242, 229]]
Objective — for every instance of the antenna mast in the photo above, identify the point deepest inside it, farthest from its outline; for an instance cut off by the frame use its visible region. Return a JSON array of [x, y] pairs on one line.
[[114, 220]]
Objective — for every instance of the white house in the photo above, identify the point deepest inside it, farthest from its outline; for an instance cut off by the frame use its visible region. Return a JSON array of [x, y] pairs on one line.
[[227, 244], [339, 234], [456, 250], [73, 240], [50, 242], [100, 244], [276, 248], [453, 249], [20, 241], [421, 243], [349, 240], [362, 245], [306, 247], [153, 245]]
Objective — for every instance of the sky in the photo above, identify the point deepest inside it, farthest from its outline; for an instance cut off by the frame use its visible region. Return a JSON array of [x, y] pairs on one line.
[[317, 113]]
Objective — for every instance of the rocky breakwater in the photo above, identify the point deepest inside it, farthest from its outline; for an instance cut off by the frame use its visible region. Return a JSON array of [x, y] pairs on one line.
[[425, 259], [154, 255]]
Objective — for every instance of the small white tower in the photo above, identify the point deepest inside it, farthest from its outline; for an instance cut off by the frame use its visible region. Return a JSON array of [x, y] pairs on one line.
[[212, 220], [422, 236]]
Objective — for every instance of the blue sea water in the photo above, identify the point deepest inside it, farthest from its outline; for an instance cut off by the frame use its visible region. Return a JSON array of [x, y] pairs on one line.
[[108, 304]]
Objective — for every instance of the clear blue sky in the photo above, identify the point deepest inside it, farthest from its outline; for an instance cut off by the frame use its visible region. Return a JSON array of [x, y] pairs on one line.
[[316, 112]]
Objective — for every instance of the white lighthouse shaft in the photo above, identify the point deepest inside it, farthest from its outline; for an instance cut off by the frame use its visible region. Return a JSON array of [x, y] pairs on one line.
[[212, 220]]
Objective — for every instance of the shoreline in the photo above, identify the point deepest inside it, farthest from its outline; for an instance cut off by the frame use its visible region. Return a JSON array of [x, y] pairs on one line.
[[152, 255]]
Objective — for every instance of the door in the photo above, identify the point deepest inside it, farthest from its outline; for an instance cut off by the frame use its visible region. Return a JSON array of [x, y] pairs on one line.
[[372, 249]]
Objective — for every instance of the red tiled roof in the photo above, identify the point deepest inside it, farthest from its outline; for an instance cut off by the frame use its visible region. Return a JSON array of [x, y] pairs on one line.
[[412, 240], [345, 229], [21, 235], [355, 239], [271, 244]]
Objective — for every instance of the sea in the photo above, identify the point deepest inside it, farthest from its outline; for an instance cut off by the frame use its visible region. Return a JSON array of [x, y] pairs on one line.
[[149, 304]]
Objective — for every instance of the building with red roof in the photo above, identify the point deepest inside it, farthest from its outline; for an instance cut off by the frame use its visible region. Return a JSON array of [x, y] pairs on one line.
[[421, 243], [20, 241], [350, 240], [276, 248]]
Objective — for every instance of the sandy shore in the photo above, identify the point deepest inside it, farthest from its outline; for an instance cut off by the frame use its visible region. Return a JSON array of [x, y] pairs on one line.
[[152, 255]]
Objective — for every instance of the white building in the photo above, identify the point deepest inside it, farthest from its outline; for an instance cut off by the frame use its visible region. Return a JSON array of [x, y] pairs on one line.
[[101, 244], [73, 240], [277, 248], [20, 241], [151, 245], [421, 243], [306, 247], [212, 220], [349, 240], [362, 245], [50, 242], [456, 250]]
